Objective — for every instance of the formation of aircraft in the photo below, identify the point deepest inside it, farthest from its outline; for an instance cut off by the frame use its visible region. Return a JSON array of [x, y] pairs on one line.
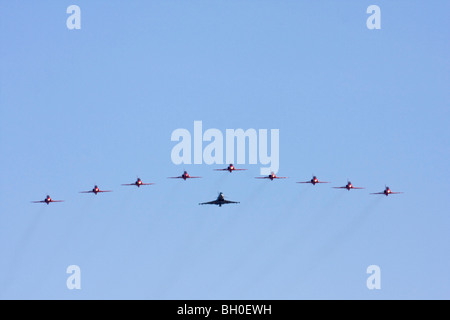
[[221, 199]]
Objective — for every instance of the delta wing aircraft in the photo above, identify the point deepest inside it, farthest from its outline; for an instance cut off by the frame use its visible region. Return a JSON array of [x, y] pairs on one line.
[[220, 201]]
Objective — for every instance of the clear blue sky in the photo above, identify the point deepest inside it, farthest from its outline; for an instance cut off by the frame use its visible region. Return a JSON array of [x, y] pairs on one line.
[[98, 106]]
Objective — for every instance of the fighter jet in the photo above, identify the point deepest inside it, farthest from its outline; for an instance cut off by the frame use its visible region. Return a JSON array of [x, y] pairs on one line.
[[387, 192], [95, 190], [313, 181], [230, 168], [47, 200], [184, 176], [349, 186], [219, 201], [138, 183], [271, 177]]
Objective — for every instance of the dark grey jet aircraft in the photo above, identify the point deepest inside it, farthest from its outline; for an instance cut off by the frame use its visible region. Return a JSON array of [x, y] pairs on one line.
[[219, 201]]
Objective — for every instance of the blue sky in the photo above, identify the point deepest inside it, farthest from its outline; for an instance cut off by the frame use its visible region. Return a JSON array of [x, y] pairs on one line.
[[98, 106]]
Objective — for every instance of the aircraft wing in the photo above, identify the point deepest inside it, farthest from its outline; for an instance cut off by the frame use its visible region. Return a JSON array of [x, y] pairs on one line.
[[229, 201], [304, 182], [339, 187], [37, 201], [179, 177], [396, 192], [357, 188], [190, 177], [56, 201], [209, 202], [220, 169], [87, 191], [377, 193], [323, 182], [147, 184], [240, 169], [128, 184], [280, 177], [104, 191], [262, 178], [217, 202]]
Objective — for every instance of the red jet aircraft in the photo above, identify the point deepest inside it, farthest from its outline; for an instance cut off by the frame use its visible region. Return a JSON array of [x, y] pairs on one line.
[[271, 177], [349, 186], [387, 192], [95, 190], [47, 200], [184, 176], [138, 183], [230, 168], [313, 181]]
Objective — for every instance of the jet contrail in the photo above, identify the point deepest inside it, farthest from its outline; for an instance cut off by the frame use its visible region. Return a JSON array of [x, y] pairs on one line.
[[249, 200], [310, 229], [219, 181], [21, 247], [337, 241]]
